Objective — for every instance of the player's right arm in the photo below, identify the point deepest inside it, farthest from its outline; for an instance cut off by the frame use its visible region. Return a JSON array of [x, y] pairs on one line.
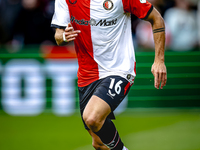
[[64, 36], [61, 22], [144, 10]]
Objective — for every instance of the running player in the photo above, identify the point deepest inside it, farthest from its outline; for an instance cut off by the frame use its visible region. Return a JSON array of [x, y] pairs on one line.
[[101, 31]]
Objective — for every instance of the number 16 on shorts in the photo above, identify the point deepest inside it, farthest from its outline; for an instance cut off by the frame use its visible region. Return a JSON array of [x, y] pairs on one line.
[[117, 87]]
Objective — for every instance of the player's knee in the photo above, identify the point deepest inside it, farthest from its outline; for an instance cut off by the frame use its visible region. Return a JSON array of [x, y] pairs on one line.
[[91, 122]]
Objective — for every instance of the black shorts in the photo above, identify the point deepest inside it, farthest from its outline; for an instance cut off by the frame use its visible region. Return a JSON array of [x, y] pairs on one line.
[[111, 89]]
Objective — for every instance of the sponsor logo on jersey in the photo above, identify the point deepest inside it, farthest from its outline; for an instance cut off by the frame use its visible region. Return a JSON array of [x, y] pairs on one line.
[[106, 22], [108, 4], [72, 1], [143, 1], [80, 22], [93, 22]]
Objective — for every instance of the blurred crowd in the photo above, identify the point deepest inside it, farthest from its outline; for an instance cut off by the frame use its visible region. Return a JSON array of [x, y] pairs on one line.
[[182, 25], [27, 22]]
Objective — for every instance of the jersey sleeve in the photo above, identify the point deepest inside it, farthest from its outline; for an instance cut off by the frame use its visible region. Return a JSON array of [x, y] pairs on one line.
[[140, 8], [61, 16]]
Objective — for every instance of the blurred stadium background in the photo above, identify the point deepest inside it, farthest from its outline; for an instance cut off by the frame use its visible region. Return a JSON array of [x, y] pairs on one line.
[[38, 90]]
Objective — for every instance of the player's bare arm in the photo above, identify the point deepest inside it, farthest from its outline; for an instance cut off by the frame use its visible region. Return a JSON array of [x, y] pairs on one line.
[[62, 36], [158, 68]]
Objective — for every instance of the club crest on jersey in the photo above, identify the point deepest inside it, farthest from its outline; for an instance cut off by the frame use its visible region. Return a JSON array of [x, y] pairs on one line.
[[108, 4], [143, 1]]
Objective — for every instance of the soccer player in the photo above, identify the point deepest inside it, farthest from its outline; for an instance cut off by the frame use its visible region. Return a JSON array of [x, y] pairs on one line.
[[101, 31]]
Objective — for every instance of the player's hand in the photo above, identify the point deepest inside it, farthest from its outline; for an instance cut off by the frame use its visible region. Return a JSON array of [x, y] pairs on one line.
[[159, 71], [70, 34]]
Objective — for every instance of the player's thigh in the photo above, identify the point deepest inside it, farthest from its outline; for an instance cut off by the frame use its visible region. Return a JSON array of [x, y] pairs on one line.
[[96, 110]]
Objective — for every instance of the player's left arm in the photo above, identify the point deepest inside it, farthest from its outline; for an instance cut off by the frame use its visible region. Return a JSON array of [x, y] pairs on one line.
[[158, 68]]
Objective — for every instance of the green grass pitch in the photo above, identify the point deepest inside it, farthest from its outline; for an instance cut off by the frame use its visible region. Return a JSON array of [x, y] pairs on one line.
[[140, 129]]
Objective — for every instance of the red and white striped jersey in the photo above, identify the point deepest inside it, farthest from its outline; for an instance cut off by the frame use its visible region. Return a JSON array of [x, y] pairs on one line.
[[104, 47]]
